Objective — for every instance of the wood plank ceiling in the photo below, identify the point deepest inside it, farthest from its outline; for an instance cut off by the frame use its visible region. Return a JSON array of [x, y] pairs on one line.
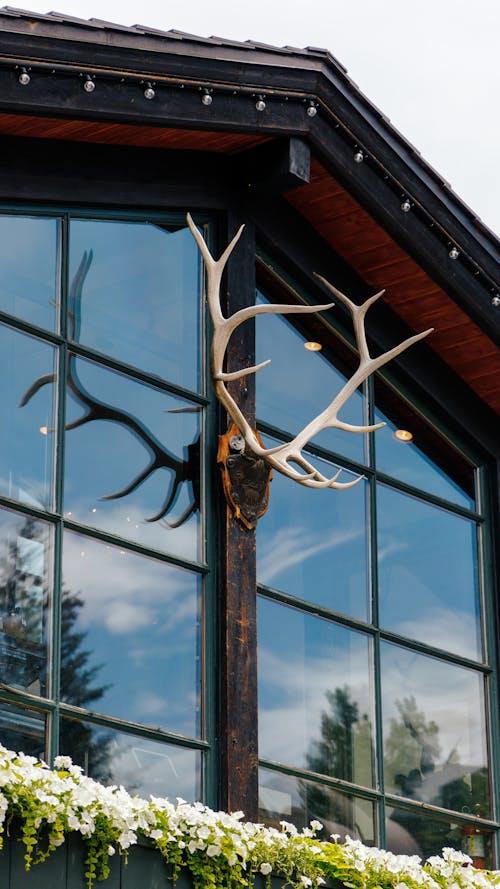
[[410, 292], [341, 222]]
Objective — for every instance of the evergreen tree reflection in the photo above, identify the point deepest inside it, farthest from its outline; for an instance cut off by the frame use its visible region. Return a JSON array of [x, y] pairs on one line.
[[87, 745], [345, 740], [24, 594]]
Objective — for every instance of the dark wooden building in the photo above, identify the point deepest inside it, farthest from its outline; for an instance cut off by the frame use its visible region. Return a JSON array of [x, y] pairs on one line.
[[339, 662]]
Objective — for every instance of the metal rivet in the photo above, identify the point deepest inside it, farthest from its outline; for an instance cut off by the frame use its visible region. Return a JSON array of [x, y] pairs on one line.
[[24, 77]]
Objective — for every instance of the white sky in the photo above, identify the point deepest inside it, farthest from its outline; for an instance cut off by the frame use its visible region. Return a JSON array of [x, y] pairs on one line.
[[432, 66]]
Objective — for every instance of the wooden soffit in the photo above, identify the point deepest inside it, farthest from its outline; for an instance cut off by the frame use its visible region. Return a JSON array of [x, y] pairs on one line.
[[353, 233]]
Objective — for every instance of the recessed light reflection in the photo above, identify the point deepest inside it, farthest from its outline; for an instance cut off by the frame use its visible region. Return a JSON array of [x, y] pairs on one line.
[[313, 347], [403, 435]]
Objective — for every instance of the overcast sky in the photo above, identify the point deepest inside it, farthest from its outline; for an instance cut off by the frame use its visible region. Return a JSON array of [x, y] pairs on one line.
[[432, 66]]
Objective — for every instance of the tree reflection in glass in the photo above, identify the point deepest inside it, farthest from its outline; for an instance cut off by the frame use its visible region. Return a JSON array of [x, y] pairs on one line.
[[25, 588], [434, 731], [300, 801], [314, 700], [23, 730], [415, 833]]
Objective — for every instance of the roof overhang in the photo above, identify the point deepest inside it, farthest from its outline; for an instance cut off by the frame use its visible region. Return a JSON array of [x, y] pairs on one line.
[[438, 262]]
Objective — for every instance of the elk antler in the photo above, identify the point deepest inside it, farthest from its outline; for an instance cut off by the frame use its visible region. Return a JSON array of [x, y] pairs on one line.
[[282, 456]]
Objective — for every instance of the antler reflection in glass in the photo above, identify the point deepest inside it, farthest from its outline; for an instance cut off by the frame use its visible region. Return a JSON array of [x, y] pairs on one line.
[[186, 470]]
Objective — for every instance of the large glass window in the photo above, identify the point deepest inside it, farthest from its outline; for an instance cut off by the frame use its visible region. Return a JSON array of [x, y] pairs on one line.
[[374, 672], [103, 579]]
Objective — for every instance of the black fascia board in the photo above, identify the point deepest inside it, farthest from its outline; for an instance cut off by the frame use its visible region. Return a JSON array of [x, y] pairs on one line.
[[298, 249], [57, 172], [54, 93]]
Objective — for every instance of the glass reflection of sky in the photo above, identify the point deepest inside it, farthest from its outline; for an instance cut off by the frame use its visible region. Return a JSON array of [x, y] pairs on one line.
[[142, 766], [140, 620], [299, 384], [312, 544], [284, 797], [28, 268], [104, 456], [141, 296], [302, 658], [27, 441], [405, 461], [434, 730], [428, 573]]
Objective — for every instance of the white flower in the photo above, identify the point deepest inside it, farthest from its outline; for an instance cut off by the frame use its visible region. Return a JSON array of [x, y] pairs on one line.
[[265, 868], [63, 762], [213, 851]]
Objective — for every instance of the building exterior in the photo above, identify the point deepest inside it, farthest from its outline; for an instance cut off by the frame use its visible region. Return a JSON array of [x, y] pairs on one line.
[[340, 660]]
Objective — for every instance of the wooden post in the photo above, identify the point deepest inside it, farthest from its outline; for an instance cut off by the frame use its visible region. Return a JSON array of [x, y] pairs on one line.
[[237, 716]]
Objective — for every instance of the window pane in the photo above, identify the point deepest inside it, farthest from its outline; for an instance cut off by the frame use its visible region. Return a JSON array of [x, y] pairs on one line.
[[312, 543], [27, 374], [299, 384], [135, 295], [314, 694], [284, 797], [405, 459], [25, 589], [130, 636], [22, 730], [434, 731], [29, 286], [142, 766], [132, 466], [411, 833], [428, 576]]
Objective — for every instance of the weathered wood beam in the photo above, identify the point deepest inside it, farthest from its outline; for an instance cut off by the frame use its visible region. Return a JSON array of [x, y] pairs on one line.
[[238, 739]]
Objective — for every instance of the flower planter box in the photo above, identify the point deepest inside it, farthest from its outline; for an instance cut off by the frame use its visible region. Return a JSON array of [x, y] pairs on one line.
[[65, 869]]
